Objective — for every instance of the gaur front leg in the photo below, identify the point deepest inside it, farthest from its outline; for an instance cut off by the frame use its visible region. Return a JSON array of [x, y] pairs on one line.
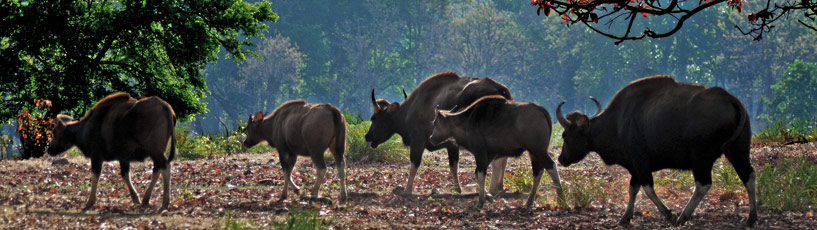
[[648, 189], [481, 184], [453, 165], [288, 164], [628, 214], [96, 170], [497, 176], [697, 196], [416, 158], [124, 167]]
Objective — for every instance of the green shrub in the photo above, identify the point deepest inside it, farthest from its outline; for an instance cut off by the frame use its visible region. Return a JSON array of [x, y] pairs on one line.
[[673, 179], [305, 218], [520, 179], [358, 150], [795, 131], [791, 186], [725, 178], [556, 135], [582, 189]]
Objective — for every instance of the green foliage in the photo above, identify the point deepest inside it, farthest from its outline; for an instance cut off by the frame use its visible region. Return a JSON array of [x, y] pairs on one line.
[[231, 223], [673, 179], [191, 145], [76, 52], [795, 131], [794, 95], [789, 186], [358, 150], [726, 178], [582, 189], [520, 179], [304, 218], [5, 142]]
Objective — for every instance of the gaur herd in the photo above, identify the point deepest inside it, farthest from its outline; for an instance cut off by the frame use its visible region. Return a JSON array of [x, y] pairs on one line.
[[650, 124]]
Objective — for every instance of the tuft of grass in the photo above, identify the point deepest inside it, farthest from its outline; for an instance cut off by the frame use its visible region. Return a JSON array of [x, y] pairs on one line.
[[726, 178], [305, 218], [231, 223], [520, 179], [191, 145], [790, 186], [358, 150], [582, 189], [673, 179]]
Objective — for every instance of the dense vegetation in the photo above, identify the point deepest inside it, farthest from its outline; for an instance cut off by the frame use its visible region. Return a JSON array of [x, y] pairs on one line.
[[338, 51]]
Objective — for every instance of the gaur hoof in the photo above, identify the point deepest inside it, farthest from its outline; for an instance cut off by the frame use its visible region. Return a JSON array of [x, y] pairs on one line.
[[479, 205], [625, 221], [751, 221], [681, 220], [671, 217]]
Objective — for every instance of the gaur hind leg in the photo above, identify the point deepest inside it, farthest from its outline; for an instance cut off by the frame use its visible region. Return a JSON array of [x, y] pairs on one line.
[[537, 163], [341, 167], [703, 181], [320, 169], [124, 167], [96, 170], [165, 186], [550, 166], [739, 157]]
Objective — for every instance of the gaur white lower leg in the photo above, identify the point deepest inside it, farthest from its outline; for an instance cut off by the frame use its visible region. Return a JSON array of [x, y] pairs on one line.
[[497, 175], [697, 197]]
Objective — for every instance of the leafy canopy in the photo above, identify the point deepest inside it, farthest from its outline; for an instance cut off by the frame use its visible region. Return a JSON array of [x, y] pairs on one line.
[[76, 52]]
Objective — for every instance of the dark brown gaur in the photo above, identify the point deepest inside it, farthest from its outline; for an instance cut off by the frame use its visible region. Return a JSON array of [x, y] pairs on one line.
[[412, 120], [121, 128], [495, 127], [299, 128], [656, 123]]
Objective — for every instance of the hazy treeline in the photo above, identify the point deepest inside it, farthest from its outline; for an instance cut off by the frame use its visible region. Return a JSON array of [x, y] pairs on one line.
[[337, 51]]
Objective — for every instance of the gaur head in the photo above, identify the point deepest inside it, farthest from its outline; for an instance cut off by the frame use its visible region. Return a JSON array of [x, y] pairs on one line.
[[576, 134], [254, 132], [60, 141], [384, 124], [443, 129]]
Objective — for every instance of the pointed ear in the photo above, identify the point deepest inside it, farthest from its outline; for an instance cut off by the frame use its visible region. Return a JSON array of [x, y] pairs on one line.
[[393, 106], [258, 116]]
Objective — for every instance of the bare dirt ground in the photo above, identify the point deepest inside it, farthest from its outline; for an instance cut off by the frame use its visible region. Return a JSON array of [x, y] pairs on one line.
[[38, 194]]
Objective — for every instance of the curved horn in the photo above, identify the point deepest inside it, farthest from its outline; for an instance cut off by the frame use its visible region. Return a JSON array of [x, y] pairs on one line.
[[374, 102], [404, 94], [560, 118], [598, 106]]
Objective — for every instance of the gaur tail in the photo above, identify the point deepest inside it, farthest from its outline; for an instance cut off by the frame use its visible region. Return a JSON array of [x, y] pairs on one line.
[[340, 131], [742, 117], [172, 139]]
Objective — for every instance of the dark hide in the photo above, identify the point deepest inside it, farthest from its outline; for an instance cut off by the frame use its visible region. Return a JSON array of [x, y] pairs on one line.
[[412, 119], [657, 123], [299, 128], [494, 127], [121, 128]]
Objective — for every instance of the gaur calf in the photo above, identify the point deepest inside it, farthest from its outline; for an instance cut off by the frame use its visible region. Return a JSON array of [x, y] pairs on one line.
[[299, 128], [494, 127], [125, 129], [412, 120]]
